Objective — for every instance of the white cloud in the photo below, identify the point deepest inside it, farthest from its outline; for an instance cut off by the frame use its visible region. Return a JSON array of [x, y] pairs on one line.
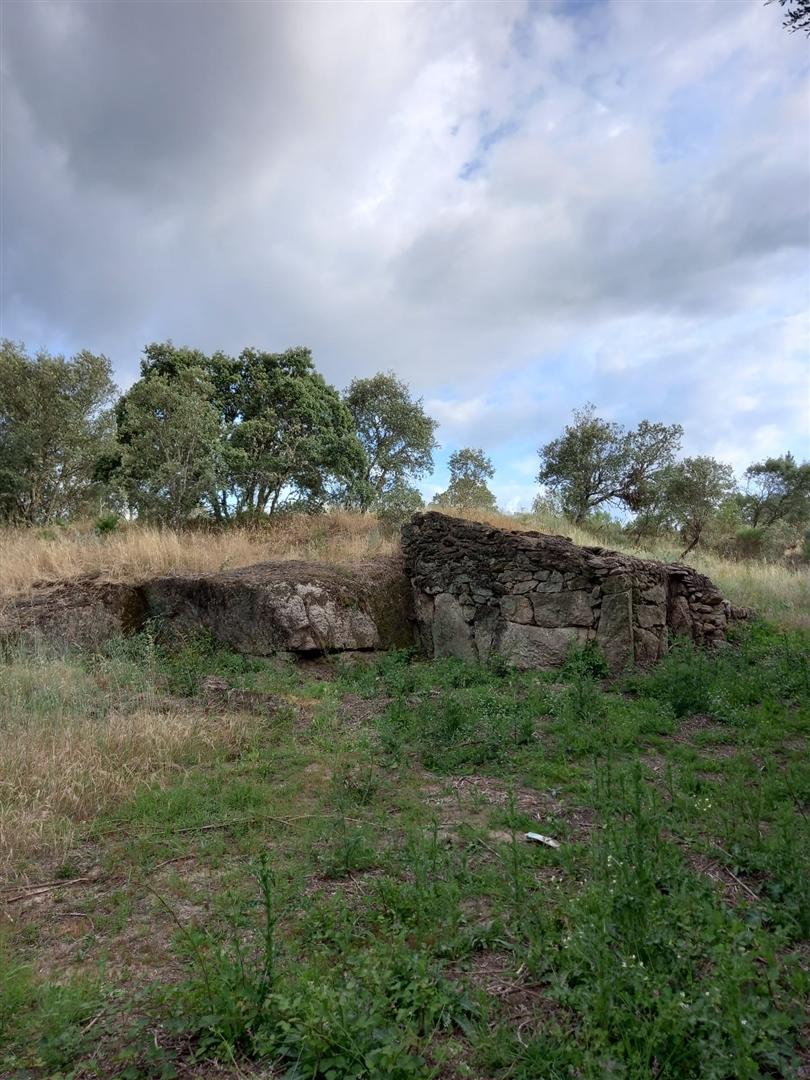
[[517, 207]]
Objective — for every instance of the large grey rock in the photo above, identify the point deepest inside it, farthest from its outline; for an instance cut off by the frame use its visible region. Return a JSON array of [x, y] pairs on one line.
[[293, 606], [84, 612], [531, 597], [272, 607]]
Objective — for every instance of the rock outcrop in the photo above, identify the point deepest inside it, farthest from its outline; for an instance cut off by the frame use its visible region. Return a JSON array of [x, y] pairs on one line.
[[466, 589], [292, 606], [271, 607], [530, 597], [85, 611]]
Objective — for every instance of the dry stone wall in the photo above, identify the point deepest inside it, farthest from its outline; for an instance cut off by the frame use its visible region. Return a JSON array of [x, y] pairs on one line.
[[530, 597]]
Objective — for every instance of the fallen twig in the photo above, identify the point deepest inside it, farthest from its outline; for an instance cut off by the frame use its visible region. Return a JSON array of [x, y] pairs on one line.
[[167, 862], [732, 875], [32, 890], [270, 817], [94, 1021]]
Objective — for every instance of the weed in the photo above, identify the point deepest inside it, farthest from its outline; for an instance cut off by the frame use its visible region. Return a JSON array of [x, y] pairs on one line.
[[363, 1020], [470, 726], [586, 661], [50, 1020], [665, 937], [106, 524]]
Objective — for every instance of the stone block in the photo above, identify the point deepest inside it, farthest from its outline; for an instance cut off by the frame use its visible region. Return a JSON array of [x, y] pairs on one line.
[[527, 647], [452, 635], [614, 634], [648, 616], [517, 609], [562, 609]]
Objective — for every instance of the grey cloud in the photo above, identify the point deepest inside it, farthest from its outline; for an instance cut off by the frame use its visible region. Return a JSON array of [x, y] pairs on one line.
[[232, 173], [141, 97]]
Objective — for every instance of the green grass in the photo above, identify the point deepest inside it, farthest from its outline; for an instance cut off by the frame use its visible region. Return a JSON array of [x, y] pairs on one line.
[[347, 892]]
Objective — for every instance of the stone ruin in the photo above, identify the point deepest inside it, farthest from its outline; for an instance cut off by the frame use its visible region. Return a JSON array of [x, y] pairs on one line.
[[530, 597], [460, 589]]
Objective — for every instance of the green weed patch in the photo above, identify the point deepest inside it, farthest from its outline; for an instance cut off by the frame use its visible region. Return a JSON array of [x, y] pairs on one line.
[[349, 893]]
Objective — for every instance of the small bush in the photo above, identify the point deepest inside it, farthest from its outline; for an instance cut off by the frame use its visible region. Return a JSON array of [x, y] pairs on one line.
[[106, 524], [684, 679], [749, 543], [587, 662]]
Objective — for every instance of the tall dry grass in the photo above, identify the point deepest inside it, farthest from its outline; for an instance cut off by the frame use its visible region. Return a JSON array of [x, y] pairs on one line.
[[76, 741], [136, 551]]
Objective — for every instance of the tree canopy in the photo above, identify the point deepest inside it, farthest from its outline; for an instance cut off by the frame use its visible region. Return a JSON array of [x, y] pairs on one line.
[[276, 433], [796, 14], [171, 453], [397, 436], [55, 423], [691, 493], [470, 469], [288, 434], [597, 461], [777, 489]]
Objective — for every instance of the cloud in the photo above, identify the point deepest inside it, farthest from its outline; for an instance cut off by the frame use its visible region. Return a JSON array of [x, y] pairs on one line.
[[518, 207]]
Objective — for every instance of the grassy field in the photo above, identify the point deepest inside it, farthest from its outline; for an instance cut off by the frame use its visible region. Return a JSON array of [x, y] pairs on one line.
[[221, 867], [775, 590]]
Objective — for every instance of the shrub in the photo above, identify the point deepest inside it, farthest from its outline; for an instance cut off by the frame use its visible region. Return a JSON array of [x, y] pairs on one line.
[[749, 542], [107, 523]]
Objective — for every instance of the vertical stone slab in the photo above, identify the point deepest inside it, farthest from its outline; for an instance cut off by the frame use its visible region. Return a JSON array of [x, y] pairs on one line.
[[423, 610], [452, 634], [614, 634], [486, 626]]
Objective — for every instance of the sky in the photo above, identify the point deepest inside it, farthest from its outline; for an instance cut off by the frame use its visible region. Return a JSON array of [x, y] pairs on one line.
[[519, 207]]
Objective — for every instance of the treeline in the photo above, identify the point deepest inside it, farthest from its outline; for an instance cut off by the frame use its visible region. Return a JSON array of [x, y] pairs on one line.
[[596, 463], [228, 438], [241, 439]]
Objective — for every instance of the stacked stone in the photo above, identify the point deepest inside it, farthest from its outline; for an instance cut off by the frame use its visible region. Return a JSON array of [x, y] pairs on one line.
[[530, 596]]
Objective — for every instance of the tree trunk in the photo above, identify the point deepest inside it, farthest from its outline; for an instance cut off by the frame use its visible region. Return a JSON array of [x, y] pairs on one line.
[[693, 544]]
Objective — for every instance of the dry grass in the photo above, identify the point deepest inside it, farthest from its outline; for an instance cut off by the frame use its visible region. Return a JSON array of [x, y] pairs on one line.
[[75, 743], [775, 591], [137, 551]]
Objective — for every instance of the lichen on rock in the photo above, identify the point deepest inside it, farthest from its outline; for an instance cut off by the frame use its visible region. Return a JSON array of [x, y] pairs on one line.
[[531, 597], [462, 589]]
